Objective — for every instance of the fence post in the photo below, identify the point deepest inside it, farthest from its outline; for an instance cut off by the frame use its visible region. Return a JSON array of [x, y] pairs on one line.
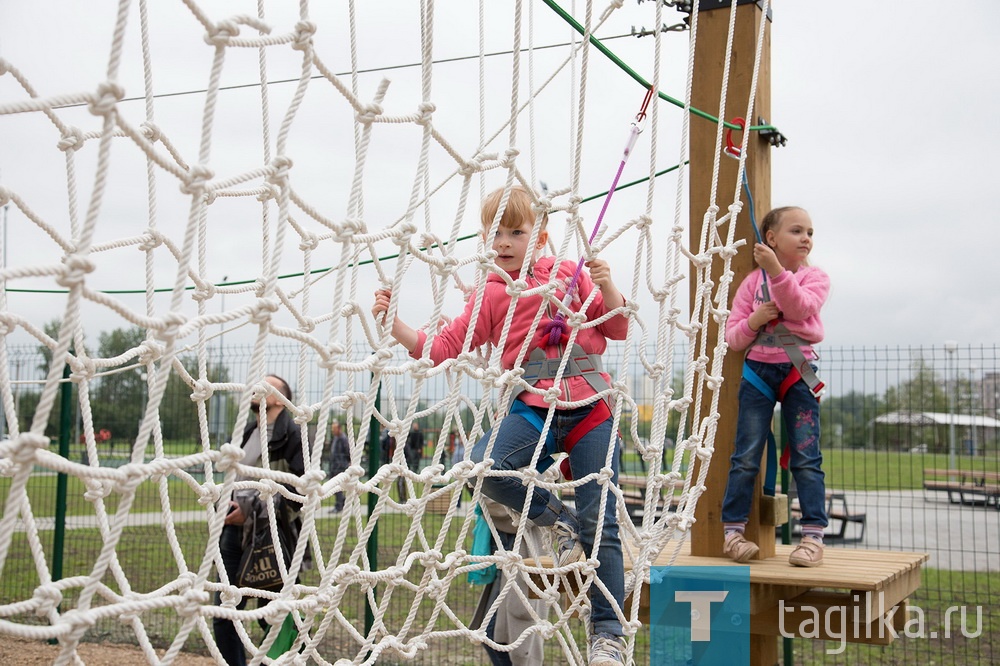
[[65, 424], [374, 461]]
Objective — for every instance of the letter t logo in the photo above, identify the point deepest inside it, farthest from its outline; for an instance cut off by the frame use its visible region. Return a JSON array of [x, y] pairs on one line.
[[701, 606]]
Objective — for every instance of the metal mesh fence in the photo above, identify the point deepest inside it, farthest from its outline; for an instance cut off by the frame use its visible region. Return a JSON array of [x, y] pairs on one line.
[[891, 417]]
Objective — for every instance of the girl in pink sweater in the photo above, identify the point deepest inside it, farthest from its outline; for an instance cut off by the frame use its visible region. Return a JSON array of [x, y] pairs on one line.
[[797, 292], [585, 433]]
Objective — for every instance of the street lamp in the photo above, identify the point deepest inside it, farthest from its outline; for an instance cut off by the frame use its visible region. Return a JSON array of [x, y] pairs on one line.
[[221, 402], [950, 346]]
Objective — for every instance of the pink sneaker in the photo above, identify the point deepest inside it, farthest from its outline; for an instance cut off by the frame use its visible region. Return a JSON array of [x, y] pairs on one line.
[[809, 553], [738, 549]]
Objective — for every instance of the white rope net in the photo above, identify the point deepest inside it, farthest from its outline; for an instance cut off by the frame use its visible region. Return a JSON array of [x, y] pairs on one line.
[[324, 175]]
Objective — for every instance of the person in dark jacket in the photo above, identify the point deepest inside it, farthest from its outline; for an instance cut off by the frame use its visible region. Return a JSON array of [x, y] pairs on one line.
[[340, 458], [283, 438]]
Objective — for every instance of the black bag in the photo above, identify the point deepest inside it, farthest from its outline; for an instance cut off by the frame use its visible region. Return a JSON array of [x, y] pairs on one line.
[[259, 567]]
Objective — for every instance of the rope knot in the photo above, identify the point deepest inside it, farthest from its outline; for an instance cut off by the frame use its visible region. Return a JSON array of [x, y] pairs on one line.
[[109, 93], [202, 390], [310, 241], [279, 171], [152, 239], [509, 157], [172, 322], [150, 130], [229, 456], [133, 475], [551, 395], [76, 267], [643, 222], [96, 490], [516, 287], [304, 31], [191, 602], [368, 114], [219, 34], [82, 369], [262, 311], [72, 139], [195, 184], [305, 415], [46, 599], [268, 191], [426, 110], [347, 230], [150, 351], [470, 167]]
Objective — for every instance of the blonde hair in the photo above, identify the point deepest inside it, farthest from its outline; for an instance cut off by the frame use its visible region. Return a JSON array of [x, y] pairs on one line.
[[520, 207]]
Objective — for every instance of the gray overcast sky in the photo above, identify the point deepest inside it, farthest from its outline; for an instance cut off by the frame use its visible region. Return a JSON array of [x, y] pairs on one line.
[[888, 111]]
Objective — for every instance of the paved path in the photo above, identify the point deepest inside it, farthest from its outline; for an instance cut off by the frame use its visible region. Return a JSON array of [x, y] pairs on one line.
[[957, 536]]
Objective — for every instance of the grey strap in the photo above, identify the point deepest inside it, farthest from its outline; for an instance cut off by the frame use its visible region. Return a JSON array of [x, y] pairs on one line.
[[790, 343], [580, 364]]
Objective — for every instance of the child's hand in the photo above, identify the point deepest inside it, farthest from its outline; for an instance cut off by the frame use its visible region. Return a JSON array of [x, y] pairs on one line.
[[766, 259], [600, 273], [381, 306], [763, 314]]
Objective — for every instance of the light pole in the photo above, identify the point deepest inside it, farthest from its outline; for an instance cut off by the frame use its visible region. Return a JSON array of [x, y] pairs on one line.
[[950, 346], [221, 402]]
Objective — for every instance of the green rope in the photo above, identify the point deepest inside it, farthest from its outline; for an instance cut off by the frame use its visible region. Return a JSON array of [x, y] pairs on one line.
[[566, 16]]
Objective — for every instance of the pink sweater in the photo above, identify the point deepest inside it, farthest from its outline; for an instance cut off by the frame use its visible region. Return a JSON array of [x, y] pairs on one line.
[[799, 297], [489, 325]]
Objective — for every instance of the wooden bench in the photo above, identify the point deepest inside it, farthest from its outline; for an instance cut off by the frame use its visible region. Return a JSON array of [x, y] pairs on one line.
[[836, 510], [968, 486]]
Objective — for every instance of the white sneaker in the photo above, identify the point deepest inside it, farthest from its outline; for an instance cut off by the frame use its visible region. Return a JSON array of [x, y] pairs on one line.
[[606, 650], [566, 538]]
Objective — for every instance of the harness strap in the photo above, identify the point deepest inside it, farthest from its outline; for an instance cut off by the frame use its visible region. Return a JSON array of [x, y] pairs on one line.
[[790, 343], [580, 364], [771, 451], [531, 416], [598, 415]]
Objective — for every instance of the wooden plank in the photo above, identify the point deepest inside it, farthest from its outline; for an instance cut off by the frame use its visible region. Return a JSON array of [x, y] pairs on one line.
[[832, 616]]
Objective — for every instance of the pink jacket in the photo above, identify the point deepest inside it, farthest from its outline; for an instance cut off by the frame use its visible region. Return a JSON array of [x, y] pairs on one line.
[[799, 297], [489, 325]]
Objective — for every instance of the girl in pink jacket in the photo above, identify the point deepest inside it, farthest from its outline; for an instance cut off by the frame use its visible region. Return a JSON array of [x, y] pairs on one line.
[[790, 315], [585, 432]]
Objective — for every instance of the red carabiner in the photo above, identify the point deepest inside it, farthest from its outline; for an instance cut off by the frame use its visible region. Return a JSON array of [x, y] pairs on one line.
[[641, 116], [731, 149]]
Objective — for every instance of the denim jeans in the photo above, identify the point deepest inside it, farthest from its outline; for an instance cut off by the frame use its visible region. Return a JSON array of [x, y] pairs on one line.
[[800, 410], [515, 445]]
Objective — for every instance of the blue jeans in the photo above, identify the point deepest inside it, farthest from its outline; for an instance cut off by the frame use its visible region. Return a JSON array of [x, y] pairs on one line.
[[515, 445], [800, 410]]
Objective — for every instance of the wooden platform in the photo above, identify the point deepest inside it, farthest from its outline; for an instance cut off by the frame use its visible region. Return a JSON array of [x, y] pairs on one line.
[[861, 586]]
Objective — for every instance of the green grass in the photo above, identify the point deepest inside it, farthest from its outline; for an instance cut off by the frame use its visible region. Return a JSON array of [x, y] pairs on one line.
[[42, 495], [855, 469]]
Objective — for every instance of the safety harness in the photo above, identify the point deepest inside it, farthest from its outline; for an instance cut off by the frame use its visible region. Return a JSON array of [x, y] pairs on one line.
[[580, 364], [801, 369]]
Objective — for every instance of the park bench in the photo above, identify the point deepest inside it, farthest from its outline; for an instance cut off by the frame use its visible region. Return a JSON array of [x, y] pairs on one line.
[[968, 486], [840, 516]]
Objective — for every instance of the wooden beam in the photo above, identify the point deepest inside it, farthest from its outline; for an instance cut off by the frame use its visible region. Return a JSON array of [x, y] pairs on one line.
[[713, 26]]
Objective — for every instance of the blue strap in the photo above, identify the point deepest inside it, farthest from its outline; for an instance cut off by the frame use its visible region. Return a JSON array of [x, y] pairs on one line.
[[771, 465], [531, 416]]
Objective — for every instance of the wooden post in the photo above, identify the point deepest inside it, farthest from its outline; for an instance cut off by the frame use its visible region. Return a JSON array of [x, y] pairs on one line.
[[713, 28]]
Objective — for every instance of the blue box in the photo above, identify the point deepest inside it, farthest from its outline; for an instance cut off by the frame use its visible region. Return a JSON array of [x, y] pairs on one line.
[[699, 615]]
